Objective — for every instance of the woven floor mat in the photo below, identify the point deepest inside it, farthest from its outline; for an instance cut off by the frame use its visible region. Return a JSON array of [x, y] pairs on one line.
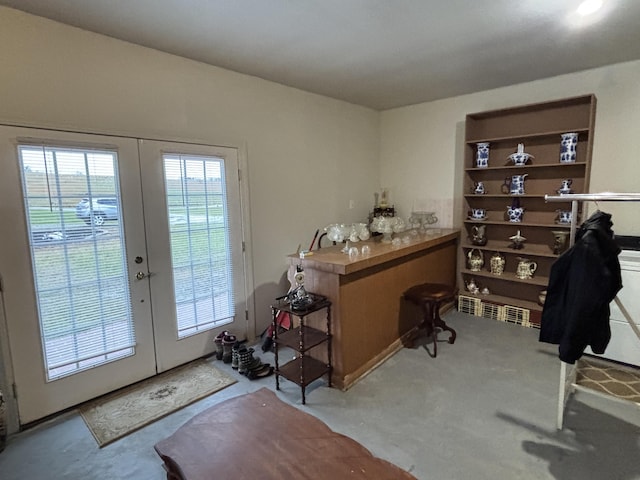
[[608, 377]]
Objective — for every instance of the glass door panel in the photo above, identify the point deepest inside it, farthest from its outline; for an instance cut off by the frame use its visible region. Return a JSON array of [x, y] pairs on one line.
[[193, 221], [198, 225], [79, 325], [79, 259]]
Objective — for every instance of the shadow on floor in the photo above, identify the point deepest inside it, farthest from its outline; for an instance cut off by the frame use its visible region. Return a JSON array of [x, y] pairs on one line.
[[591, 445]]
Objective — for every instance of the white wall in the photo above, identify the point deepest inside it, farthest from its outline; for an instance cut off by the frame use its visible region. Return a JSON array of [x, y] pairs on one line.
[[421, 147], [307, 155]]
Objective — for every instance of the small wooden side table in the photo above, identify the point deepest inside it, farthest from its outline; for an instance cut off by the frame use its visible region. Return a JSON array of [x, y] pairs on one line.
[[304, 369]]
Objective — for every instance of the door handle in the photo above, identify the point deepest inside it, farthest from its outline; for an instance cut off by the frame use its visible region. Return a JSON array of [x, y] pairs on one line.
[[142, 275]]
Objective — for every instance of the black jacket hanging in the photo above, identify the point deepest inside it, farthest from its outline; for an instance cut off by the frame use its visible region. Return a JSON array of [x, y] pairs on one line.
[[582, 283]]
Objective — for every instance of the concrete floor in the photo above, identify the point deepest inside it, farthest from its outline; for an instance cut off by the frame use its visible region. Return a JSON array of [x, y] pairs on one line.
[[485, 408]]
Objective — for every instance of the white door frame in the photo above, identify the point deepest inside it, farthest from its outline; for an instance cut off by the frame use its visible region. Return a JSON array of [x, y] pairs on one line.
[[170, 351], [7, 377]]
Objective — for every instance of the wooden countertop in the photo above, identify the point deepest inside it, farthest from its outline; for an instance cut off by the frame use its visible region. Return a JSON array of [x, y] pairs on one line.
[[333, 260]]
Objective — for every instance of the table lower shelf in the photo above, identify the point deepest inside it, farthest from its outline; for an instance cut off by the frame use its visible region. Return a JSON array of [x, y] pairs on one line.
[[301, 372], [301, 338]]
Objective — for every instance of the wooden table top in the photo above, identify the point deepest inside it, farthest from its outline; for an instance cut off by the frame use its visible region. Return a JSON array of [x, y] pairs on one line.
[[332, 259]]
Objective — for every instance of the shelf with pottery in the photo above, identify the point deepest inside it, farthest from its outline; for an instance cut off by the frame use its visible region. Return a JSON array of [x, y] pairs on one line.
[[503, 246], [538, 280], [513, 157], [518, 224], [470, 196], [538, 166], [546, 136]]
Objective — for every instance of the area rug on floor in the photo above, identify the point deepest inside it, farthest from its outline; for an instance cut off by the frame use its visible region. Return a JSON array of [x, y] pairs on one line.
[[115, 415], [258, 436], [610, 378]]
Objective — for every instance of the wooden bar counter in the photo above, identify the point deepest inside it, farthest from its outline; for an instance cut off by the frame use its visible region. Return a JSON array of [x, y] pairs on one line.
[[369, 317]]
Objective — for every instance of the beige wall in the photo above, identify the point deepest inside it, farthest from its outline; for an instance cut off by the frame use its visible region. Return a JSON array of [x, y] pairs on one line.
[[421, 146], [307, 155]]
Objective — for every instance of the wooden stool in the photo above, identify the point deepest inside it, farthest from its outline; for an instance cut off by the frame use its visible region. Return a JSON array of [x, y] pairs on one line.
[[431, 296]]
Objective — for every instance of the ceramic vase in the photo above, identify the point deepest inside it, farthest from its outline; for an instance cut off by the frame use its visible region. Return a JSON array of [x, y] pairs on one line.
[[496, 264], [568, 147], [482, 155]]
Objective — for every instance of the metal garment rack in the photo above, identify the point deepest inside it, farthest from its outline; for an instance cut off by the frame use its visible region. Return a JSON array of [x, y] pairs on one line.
[[568, 371]]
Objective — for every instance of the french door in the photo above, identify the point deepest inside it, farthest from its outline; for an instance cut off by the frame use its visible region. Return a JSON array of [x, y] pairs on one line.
[[120, 258]]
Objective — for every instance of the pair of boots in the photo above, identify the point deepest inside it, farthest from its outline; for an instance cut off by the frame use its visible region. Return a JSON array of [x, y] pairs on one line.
[[224, 342], [230, 350], [247, 364]]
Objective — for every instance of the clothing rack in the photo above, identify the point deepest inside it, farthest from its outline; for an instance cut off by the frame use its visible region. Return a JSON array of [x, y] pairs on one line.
[[567, 371]]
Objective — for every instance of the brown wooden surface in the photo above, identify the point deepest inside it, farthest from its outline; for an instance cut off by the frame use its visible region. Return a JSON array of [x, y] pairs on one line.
[[257, 436], [369, 317]]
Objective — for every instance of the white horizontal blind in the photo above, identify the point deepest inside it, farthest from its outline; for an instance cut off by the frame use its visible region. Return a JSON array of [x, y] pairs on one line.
[[72, 205], [200, 253]]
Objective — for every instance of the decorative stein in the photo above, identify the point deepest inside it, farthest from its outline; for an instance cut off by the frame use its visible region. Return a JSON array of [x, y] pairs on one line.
[[526, 268], [478, 235], [475, 260], [565, 186], [478, 188], [497, 263], [482, 155], [568, 147], [514, 185]]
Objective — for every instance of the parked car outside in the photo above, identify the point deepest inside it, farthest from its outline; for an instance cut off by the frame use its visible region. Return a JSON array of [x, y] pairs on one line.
[[97, 210]]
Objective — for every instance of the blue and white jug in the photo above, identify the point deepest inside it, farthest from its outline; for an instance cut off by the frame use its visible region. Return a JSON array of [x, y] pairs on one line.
[[515, 184]]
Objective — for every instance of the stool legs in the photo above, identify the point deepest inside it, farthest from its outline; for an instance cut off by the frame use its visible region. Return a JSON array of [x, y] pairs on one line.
[[430, 325], [432, 322]]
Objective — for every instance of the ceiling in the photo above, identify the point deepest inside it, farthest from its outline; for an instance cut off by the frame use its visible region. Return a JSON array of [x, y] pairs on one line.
[[377, 53]]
